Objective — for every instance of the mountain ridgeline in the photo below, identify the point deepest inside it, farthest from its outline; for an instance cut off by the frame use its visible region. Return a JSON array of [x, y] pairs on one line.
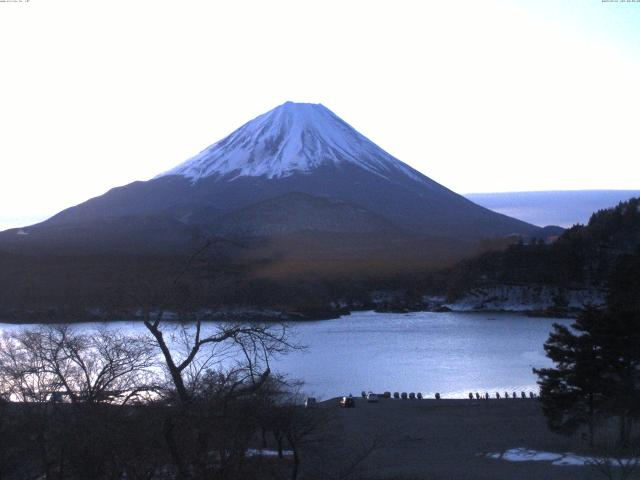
[[302, 154], [564, 208]]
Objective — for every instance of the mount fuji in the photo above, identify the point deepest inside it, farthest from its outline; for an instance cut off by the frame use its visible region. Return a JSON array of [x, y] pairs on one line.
[[304, 214], [292, 138], [296, 170]]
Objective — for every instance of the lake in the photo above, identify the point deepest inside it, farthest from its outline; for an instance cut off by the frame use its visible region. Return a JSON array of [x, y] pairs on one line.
[[450, 353]]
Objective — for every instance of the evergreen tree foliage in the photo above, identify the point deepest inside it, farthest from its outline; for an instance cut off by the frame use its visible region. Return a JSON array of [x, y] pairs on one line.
[[573, 392], [597, 360], [623, 343], [583, 256]]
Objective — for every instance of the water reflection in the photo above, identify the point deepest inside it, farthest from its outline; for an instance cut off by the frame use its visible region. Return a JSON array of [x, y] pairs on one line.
[[427, 352]]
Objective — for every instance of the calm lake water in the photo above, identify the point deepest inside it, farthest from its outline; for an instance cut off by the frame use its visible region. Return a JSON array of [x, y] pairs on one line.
[[427, 352]]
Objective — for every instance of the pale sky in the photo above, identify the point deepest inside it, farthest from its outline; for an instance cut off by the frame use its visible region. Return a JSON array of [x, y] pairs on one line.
[[480, 95]]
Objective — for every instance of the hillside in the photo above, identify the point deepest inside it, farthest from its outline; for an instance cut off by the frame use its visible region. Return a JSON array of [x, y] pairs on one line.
[[580, 260]]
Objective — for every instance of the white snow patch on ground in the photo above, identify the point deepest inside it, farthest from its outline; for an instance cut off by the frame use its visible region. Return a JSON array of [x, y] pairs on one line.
[[265, 452], [515, 298], [525, 455], [560, 459]]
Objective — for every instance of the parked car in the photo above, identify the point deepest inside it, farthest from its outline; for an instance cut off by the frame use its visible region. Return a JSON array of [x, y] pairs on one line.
[[372, 397], [347, 402]]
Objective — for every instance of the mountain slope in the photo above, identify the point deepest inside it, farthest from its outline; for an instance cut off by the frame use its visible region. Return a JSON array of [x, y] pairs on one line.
[[122, 234], [299, 212], [301, 148]]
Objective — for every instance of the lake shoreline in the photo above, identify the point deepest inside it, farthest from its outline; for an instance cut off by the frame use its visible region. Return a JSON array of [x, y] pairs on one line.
[[255, 315]]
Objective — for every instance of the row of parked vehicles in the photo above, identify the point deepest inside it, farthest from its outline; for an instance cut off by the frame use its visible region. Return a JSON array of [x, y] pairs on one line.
[[348, 402], [372, 397]]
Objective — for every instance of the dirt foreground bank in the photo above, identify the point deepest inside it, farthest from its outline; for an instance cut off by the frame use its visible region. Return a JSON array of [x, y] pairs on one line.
[[444, 439]]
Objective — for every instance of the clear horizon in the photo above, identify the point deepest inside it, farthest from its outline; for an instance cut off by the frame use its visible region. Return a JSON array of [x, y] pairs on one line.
[[517, 96]]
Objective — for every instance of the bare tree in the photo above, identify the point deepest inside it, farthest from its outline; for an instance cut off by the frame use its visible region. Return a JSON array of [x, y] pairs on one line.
[[214, 373], [214, 370], [55, 361], [241, 351], [98, 374], [301, 426], [189, 349]]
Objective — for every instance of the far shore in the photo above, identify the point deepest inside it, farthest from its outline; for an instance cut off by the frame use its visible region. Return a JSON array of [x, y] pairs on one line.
[[33, 317]]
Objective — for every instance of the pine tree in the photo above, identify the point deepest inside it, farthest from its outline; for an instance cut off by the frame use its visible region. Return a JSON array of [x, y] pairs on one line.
[[597, 361], [573, 392], [622, 343]]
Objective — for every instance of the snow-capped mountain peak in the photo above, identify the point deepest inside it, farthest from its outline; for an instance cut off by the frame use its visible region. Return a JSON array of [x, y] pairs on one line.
[[297, 168], [291, 138]]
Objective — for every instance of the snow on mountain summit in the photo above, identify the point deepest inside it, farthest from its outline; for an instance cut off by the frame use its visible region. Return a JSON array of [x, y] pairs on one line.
[[291, 138]]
